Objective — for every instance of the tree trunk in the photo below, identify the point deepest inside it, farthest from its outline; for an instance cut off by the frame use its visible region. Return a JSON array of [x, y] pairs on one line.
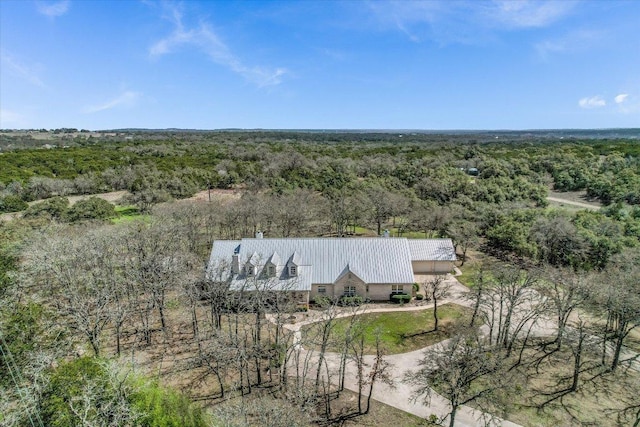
[[452, 416], [435, 313]]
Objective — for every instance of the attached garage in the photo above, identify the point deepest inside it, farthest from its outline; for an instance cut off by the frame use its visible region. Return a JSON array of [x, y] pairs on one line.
[[432, 256]]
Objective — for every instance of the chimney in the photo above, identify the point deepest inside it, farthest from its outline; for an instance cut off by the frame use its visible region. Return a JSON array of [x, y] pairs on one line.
[[385, 233], [235, 265], [259, 235]]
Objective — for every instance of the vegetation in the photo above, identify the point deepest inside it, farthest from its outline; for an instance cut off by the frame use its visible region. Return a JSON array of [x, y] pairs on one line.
[[401, 331], [82, 284]]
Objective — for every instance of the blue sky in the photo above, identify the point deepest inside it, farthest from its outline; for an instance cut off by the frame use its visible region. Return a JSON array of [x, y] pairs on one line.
[[311, 65]]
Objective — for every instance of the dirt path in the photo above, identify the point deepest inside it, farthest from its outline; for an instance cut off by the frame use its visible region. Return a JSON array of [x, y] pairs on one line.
[[573, 203]]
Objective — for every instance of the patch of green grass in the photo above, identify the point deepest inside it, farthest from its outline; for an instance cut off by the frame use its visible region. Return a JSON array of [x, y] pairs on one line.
[[469, 273], [401, 331], [128, 214]]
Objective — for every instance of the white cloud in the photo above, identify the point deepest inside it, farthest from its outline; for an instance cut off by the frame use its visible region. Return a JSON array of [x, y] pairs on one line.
[[575, 41], [206, 40], [528, 13], [621, 98], [592, 102], [10, 119], [125, 99], [468, 22], [18, 68], [53, 9]]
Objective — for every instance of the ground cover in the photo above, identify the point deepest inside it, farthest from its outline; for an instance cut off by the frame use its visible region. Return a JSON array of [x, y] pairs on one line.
[[599, 400], [401, 331]]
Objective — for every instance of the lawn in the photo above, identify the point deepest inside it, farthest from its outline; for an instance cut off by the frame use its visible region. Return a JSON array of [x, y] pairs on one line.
[[401, 331], [127, 214]]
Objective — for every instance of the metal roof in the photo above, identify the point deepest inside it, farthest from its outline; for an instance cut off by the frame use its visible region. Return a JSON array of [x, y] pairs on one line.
[[374, 260], [432, 250]]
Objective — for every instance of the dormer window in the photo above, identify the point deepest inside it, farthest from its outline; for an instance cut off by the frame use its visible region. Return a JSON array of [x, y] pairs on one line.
[[249, 270], [271, 270], [293, 270]]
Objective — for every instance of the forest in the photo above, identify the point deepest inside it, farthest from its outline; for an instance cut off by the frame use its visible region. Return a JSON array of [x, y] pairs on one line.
[[106, 318]]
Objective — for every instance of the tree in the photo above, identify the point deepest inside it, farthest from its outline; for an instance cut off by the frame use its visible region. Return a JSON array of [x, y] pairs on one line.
[[91, 208], [620, 300], [558, 242], [436, 288], [55, 207], [465, 235], [380, 371], [72, 269], [565, 291], [510, 305], [464, 369]]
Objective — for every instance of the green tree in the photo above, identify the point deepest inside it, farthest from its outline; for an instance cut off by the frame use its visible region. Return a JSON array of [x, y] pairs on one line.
[[91, 208]]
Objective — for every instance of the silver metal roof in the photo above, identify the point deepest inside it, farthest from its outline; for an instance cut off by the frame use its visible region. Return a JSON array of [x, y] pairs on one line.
[[374, 260], [431, 250]]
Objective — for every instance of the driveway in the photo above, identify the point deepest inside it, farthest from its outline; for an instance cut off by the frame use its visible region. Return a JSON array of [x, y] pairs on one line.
[[398, 395]]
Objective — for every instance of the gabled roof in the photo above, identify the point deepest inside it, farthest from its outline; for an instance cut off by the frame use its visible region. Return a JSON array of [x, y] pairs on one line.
[[274, 259], [373, 260], [254, 259], [295, 259], [347, 270]]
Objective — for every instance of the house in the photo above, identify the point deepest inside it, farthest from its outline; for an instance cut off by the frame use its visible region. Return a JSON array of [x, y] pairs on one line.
[[372, 268]]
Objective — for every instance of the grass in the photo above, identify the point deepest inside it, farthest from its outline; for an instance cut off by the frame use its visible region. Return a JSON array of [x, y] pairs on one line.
[[128, 214], [393, 232], [401, 331]]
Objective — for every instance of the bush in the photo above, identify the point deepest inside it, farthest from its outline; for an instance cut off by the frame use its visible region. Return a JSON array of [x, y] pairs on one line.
[[92, 208], [400, 298], [322, 300], [12, 204], [351, 301], [91, 385], [419, 297], [55, 207], [163, 407], [416, 287]]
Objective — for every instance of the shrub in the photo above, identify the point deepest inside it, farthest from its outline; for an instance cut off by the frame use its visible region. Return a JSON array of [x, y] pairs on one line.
[[416, 287], [163, 407], [91, 385], [92, 208], [351, 301], [55, 207], [400, 298], [419, 297], [12, 204], [322, 300]]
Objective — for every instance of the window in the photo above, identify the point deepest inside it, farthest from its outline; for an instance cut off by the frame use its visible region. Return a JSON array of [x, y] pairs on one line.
[[397, 289], [293, 270], [349, 290], [322, 290], [271, 270], [249, 270]]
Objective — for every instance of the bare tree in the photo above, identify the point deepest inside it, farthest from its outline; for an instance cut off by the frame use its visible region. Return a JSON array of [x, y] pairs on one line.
[[565, 291], [464, 369], [620, 300], [510, 305], [436, 288], [380, 371], [75, 271]]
